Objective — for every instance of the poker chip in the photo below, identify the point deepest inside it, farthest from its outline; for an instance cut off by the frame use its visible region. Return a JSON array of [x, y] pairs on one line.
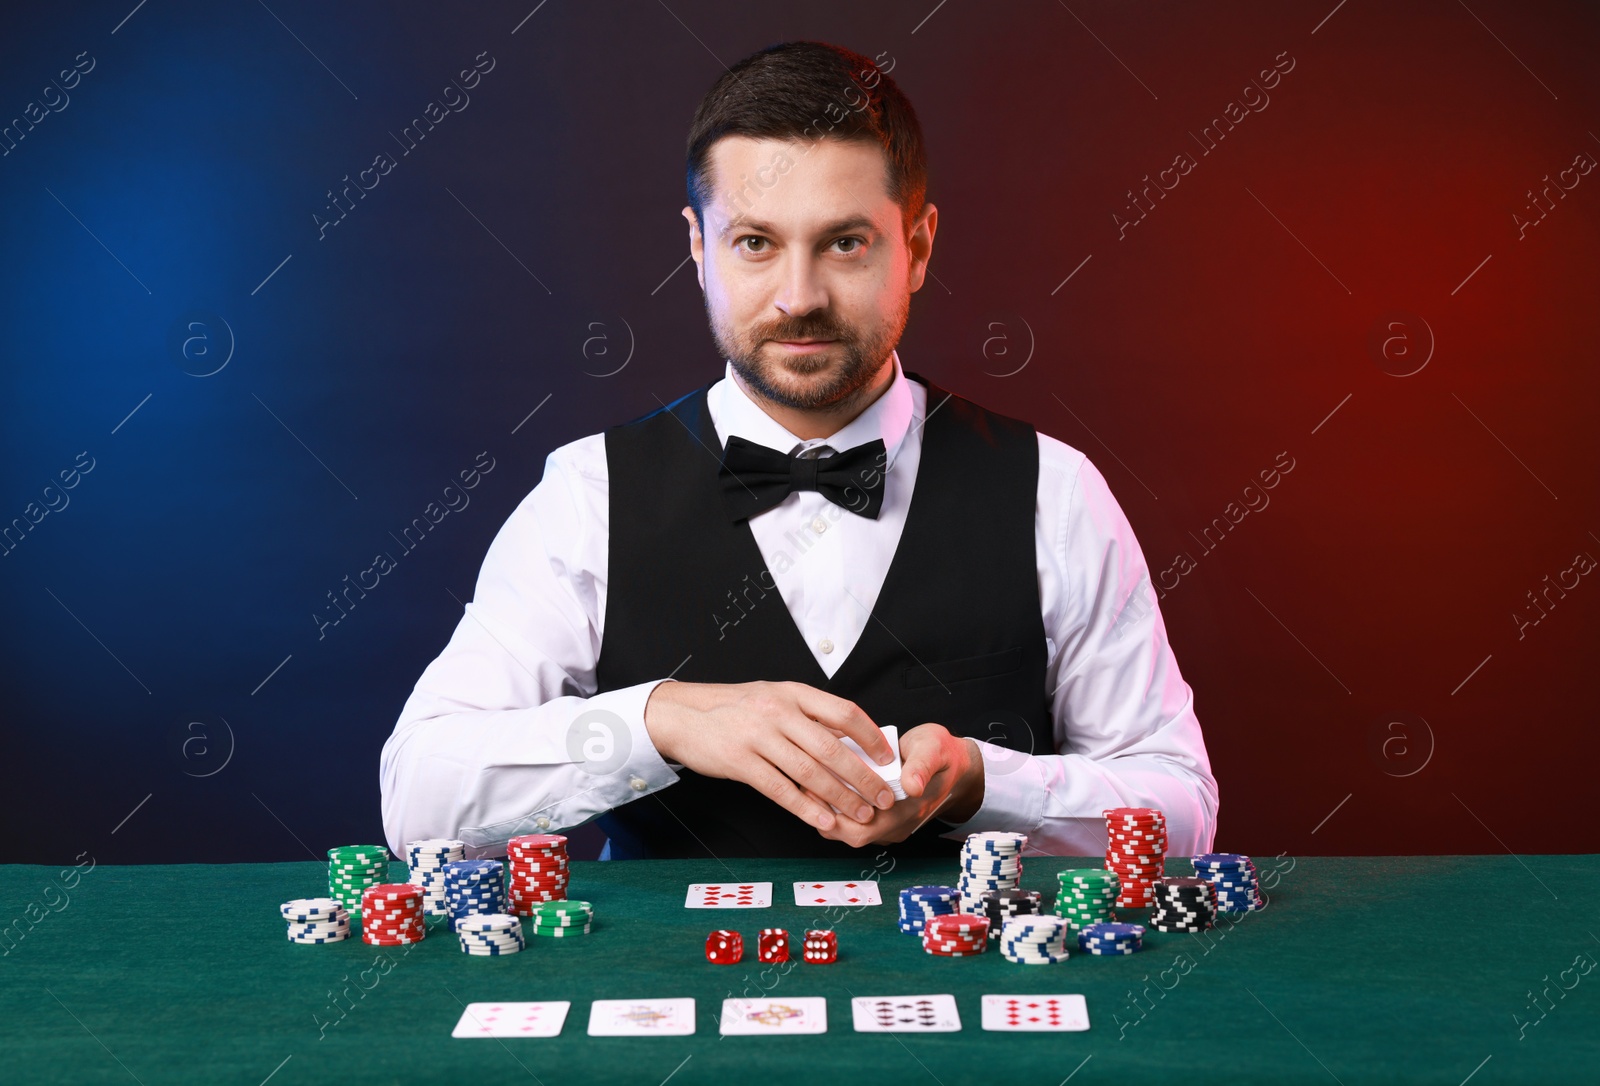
[[1136, 850], [1002, 905], [473, 888], [820, 947], [1111, 939], [1087, 895], [538, 871], [724, 947], [1035, 940], [315, 920], [391, 914], [989, 861], [1183, 905], [352, 869], [956, 935], [1233, 880], [490, 935], [919, 903], [425, 862], [772, 945], [562, 919]]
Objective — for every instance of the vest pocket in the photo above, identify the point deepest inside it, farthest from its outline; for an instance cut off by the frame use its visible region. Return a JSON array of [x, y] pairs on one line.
[[964, 669]]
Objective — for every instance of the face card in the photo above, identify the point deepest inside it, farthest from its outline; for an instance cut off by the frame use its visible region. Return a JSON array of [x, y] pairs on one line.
[[767, 1016], [641, 1018], [837, 893], [905, 1014], [512, 1020], [1036, 1013], [891, 772], [729, 895]]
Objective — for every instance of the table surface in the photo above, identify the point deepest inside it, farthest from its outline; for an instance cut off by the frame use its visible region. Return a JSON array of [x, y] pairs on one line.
[[1395, 969]]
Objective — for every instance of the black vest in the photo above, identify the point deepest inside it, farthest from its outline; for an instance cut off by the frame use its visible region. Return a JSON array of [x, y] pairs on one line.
[[955, 637]]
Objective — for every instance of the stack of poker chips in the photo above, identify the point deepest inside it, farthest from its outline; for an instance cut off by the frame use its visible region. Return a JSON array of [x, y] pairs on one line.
[[919, 904], [474, 887], [316, 920], [821, 946], [425, 862], [958, 935], [1108, 939], [1136, 849], [989, 861], [772, 945], [1186, 905], [724, 947], [562, 919], [1001, 905], [490, 935], [353, 868], [1234, 879], [1035, 940], [391, 914], [1087, 895], [538, 870]]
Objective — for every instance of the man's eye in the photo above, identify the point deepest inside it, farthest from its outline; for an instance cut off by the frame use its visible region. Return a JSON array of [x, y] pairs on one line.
[[856, 241], [752, 238]]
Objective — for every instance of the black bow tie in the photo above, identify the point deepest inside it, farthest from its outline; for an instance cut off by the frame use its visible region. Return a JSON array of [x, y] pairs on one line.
[[755, 478]]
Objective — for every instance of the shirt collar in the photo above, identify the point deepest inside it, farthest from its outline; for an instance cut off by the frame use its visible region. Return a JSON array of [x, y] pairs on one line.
[[888, 417]]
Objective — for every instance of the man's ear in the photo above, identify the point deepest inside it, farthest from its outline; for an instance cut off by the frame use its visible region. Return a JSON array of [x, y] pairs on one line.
[[697, 246]]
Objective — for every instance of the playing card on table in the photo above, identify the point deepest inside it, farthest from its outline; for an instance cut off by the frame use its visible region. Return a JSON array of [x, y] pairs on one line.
[[905, 1014], [641, 1017], [891, 772], [729, 895], [1040, 1013], [837, 893], [766, 1016], [511, 1020]]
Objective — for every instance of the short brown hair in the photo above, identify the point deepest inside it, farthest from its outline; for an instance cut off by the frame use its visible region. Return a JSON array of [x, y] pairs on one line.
[[811, 90]]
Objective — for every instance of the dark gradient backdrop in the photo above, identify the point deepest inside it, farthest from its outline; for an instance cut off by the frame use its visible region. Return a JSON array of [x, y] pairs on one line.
[[1354, 279]]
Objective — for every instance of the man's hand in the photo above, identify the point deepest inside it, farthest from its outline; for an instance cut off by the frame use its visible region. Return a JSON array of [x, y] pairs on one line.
[[782, 739], [941, 773]]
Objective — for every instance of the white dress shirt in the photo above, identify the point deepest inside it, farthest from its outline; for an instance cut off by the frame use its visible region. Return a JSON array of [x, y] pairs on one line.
[[491, 742]]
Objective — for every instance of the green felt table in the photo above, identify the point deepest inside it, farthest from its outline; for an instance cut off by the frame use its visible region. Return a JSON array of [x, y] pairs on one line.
[[1399, 969]]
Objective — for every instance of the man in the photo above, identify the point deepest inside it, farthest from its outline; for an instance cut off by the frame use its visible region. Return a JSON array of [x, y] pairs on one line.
[[677, 626]]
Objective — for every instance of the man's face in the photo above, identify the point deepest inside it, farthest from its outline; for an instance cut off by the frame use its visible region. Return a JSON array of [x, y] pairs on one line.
[[802, 242]]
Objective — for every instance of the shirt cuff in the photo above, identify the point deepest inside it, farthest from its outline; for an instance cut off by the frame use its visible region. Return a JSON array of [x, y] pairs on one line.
[[641, 768], [1013, 794]]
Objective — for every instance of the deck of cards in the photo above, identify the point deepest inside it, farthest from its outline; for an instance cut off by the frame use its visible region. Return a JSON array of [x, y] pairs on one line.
[[891, 772]]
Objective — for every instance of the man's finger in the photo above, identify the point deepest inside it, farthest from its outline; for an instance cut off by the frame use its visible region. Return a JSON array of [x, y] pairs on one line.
[[823, 745], [844, 717], [771, 782], [813, 775]]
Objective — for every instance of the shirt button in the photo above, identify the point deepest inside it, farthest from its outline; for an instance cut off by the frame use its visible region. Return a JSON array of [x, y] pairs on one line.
[[825, 645], [638, 784], [542, 822], [819, 525]]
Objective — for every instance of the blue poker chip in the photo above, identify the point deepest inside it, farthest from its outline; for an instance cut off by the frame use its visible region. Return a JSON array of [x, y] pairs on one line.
[[1115, 929]]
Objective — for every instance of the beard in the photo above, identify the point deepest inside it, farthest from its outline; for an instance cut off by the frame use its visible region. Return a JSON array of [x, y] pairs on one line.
[[828, 378]]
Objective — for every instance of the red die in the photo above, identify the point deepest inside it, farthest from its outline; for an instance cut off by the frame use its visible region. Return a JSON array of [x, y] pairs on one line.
[[724, 947], [773, 945], [821, 947]]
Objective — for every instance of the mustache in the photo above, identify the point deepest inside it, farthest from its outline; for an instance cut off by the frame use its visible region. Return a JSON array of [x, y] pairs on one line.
[[802, 331]]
